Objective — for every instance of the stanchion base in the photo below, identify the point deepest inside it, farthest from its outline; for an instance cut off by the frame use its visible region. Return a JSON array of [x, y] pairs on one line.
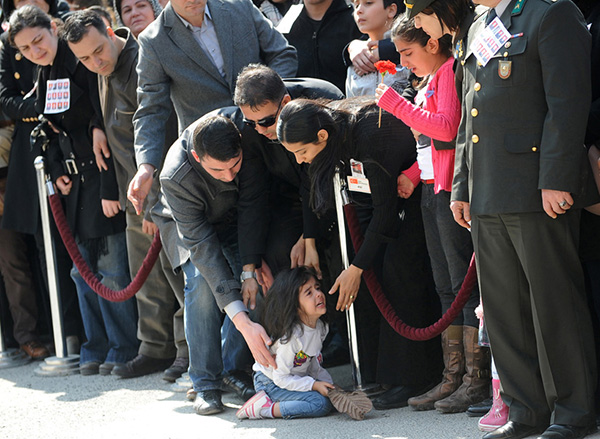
[[13, 358], [55, 366], [182, 384]]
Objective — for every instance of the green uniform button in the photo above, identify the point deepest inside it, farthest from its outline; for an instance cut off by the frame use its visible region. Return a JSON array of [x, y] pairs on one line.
[[477, 86], [534, 149], [474, 112], [475, 138]]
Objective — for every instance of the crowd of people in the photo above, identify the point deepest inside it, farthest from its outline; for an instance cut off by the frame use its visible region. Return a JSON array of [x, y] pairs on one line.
[[222, 125]]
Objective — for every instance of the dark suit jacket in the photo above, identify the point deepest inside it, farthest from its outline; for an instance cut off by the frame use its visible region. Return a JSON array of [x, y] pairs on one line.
[[525, 133], [270, 174]]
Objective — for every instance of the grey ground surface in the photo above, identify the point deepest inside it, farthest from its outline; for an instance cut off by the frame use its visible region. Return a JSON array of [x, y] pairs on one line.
[[107, 407]]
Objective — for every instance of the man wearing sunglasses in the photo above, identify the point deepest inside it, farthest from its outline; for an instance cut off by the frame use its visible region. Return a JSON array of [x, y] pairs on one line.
[[272, 222]]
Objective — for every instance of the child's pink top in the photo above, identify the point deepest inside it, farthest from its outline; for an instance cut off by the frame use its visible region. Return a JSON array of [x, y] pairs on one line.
[[438, 119]]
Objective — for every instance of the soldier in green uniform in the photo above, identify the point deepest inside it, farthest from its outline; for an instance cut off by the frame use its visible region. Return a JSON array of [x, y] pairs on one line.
[[520, 178]]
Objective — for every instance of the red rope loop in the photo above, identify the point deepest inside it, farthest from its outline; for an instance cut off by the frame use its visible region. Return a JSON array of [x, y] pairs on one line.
[[84, 269], [384, 305]]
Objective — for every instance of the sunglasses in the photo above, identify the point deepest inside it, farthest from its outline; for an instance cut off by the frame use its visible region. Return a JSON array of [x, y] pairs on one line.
[[265, 122]]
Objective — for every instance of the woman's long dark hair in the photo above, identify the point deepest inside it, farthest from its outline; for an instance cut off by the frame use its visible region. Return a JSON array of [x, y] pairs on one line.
[[299, 122], [280, 313]]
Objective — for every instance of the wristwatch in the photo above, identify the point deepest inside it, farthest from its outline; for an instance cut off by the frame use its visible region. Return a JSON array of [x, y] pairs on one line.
[[247, 275]]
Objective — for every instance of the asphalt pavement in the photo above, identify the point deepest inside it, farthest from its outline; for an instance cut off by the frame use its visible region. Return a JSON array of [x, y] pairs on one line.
[[106, 407]]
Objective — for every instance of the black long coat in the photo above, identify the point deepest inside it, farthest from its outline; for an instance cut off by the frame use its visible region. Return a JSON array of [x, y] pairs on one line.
[[17, 79], [83, 204]]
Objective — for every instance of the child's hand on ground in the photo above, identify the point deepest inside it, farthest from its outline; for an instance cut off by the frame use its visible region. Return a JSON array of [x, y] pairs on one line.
[[322, 387]]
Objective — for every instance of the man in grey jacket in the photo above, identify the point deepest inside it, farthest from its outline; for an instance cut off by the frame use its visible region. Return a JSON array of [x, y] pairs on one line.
[[197, 218], [191, 55], [113, 56]]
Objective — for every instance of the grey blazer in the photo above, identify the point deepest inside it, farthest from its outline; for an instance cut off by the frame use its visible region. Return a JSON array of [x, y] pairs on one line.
[[191, 210], [173, 67]]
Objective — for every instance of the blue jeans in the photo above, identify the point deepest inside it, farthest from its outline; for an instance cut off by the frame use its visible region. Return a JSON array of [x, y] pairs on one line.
[[110, 327], [293, 404], [215, 345]]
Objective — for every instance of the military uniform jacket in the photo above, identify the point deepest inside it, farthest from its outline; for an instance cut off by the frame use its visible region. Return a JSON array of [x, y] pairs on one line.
[[193, 207], [524, 113]]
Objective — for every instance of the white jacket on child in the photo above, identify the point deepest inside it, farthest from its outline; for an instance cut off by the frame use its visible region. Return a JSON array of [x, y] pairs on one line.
[[299, 359]]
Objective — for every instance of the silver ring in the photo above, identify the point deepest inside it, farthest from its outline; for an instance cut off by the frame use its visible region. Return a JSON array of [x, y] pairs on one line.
[[563, 203]]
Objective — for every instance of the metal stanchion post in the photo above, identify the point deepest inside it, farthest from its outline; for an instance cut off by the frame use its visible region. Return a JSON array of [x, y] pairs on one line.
[[62, 363], [341, 199], [11, 357]]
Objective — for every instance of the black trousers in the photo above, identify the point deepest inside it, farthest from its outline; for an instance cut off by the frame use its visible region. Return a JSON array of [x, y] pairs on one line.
[[403, 269], [540, 331], [19, 286], [285, 229]]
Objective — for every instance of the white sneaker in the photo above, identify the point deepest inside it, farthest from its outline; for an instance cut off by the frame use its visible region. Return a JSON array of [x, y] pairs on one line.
[[251, 408]]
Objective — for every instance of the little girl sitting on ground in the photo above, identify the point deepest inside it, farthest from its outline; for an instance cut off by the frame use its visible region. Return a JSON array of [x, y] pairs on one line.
[[293, 316]]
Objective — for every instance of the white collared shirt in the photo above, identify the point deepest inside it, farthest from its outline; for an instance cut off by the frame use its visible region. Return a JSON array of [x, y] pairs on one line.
[[206, 37]]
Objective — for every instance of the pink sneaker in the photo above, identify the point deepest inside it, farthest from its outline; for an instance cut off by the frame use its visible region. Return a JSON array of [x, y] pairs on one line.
[[498, 414], [251, 408]]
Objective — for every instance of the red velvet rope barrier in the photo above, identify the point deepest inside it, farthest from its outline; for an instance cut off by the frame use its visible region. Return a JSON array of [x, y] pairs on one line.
[[384, 305], [84, 269]]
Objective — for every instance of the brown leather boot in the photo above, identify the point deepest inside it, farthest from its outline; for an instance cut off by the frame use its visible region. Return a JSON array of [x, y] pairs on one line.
[[454, 368], [476, 382]]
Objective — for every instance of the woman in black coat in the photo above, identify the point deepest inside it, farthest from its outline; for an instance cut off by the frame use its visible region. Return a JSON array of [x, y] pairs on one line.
[[17, 100], [345, 134], [67, 95]]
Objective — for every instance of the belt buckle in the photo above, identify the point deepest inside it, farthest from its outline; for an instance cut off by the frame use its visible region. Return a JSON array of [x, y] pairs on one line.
[[71, 166]]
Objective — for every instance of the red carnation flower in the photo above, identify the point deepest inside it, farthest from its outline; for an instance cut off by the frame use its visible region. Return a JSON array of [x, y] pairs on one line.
[[384, 67]]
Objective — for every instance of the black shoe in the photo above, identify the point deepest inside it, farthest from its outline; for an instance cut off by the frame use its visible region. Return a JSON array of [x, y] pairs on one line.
[[208, 402], [394, 398], [560, 431], [106, 368], [480, 409], [239, 383], [178, 368], [512, 430], [140, 366], [90, 368]]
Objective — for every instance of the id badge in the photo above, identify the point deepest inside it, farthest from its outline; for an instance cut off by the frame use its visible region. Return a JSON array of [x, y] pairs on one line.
[[489, 41], [58, 96], [358, 182]]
